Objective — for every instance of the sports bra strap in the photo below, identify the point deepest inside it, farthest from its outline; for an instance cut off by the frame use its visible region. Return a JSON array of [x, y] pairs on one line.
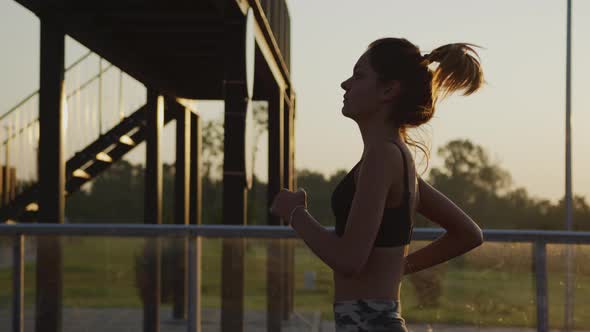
[[408, 193], [406, 181]]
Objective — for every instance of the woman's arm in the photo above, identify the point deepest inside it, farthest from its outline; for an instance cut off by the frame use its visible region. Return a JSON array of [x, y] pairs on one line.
[[348, 254], [322, 242], [462, 233]]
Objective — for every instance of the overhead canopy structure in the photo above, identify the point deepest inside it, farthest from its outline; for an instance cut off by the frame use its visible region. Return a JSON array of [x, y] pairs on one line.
[[230, 50], [175, 46]]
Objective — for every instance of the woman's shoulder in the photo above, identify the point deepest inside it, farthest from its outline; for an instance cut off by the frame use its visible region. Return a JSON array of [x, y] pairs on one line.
[[380, 159]]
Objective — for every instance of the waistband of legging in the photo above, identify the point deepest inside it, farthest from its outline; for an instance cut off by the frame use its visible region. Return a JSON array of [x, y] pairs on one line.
[[380, 304]]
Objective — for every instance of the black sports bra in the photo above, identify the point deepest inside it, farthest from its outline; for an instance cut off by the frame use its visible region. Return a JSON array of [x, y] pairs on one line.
[[397, 223]]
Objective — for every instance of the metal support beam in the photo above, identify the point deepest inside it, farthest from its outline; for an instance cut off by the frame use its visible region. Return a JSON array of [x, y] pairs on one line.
[[48, 313], [540, 280], [288, 259], [235, 190], [153, 209], [181, 207], [195, 253], [293, 154], [234, 206], [18, 282], [276, 178], [195, 171], [569, 205], [194, 285]]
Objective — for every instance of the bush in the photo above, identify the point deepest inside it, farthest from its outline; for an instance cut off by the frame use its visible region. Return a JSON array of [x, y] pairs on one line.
[[428, 285]]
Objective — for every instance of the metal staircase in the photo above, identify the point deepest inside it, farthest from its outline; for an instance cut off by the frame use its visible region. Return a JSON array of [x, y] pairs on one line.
[[85, 164]]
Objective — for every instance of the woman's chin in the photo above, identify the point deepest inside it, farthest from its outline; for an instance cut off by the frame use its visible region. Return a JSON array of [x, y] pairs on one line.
[[344, 109]]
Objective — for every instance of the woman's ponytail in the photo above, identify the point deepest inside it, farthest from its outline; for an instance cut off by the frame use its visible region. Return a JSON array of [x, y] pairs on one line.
[[458, 69]]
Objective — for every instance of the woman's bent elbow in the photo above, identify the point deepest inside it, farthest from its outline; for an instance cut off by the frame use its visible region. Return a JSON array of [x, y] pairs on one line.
[[469, 239], [477, 238]]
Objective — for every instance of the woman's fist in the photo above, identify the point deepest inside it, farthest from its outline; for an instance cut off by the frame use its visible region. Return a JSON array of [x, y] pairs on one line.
[[285, 201]]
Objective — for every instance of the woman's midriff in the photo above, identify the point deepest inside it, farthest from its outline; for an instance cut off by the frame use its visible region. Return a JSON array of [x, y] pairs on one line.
[[380, 278]]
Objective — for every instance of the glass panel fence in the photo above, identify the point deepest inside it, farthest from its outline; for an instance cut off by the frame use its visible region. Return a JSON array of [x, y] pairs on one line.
[[109, 283]]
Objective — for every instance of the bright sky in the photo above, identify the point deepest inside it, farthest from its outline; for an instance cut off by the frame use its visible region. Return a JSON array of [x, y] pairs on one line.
[[519, 116]]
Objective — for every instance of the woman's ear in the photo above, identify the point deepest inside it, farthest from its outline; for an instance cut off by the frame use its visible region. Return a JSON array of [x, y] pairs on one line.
[[391, 90]]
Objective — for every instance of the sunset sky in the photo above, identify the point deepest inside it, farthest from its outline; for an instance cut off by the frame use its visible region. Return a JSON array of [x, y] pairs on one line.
[[519, 116]]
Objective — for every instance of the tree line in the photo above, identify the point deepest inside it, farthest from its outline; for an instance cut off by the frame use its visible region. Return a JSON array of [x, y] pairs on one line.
[[482, 188]]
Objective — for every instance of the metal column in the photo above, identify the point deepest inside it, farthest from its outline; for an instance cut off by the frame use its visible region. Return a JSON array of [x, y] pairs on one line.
[[48, 314]]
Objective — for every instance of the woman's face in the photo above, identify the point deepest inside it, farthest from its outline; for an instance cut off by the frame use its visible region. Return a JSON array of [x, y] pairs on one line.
[[360, 90], [364, 94]]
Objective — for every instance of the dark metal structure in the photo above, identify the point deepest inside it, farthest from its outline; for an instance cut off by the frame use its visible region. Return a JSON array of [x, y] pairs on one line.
[[231, 50]]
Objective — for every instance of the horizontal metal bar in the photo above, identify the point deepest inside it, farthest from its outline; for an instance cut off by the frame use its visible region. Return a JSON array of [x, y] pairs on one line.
[[22, 102], [258, 231], [532, 235], [80, 88], [82, 58], [90, 80]]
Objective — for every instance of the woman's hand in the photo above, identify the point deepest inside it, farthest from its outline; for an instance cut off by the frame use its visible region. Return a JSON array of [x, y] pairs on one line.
[[285, 201]]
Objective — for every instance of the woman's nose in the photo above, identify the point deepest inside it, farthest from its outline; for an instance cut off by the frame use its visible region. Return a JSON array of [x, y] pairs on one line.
[[343, 85]]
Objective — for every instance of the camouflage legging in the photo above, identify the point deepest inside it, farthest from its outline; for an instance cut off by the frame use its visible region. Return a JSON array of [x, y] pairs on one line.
[[369, 315]]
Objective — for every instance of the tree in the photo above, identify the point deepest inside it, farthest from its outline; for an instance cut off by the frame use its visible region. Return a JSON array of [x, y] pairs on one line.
[[212, 147], [468, 172], [467, 177], [483, 189]]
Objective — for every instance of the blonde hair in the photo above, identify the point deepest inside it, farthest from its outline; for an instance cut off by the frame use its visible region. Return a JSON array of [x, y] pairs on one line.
[[457, 69]]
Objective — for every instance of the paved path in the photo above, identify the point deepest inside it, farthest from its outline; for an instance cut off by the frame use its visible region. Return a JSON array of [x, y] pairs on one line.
[[328, 326], [129, 320]]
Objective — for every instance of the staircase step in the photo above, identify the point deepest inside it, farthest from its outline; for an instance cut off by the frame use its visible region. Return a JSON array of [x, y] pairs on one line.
[[80, 173], [104, 157], [103, 142], [83, 166], [124, 139]]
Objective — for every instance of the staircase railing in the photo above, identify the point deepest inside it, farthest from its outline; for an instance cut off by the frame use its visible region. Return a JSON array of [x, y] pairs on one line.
[[97, 96]]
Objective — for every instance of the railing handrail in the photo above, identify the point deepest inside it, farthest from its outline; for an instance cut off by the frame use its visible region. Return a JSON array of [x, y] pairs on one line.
[[539, 239], [263, 231], [27, 98], [69, 95]]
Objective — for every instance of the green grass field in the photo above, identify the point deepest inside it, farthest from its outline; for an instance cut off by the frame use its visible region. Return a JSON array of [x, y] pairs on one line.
[[491, 286]]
